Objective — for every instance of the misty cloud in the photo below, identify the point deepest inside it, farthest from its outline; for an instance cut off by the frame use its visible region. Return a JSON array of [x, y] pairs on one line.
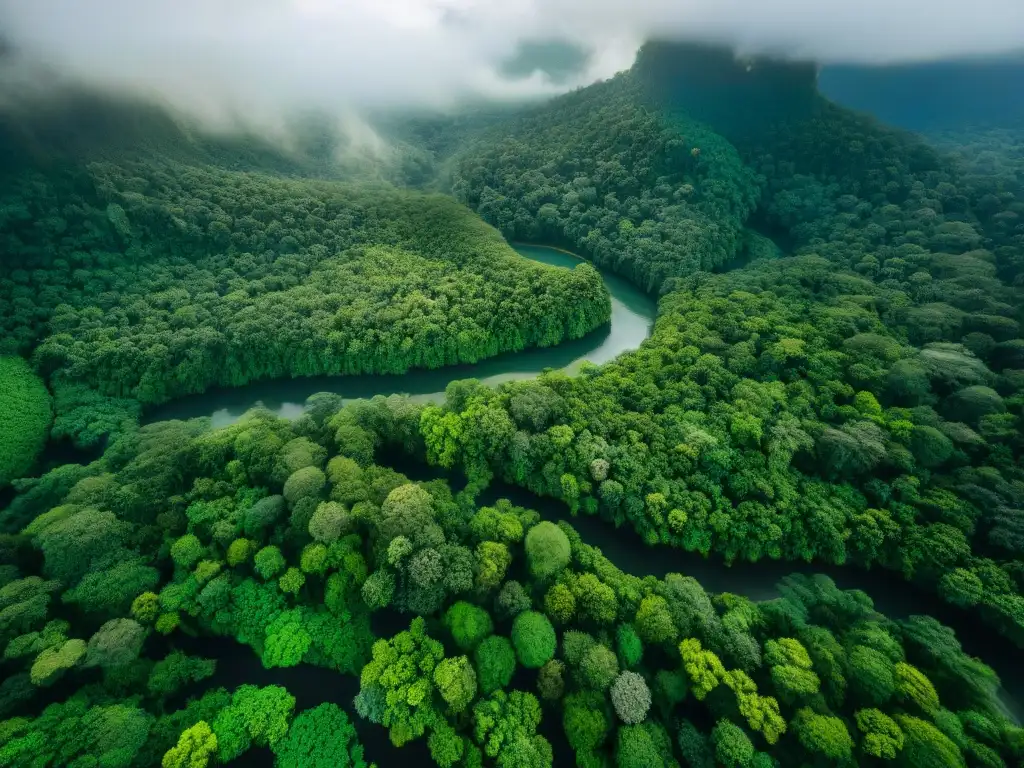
[[254, 59]]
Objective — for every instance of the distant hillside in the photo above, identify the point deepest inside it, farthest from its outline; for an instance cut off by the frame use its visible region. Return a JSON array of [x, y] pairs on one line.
[[935, 96], [69, 126]]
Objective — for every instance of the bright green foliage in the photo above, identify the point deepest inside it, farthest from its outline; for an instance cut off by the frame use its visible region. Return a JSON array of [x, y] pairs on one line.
[[256, 717], [446, 746], [961, 587], [292, 581], [239, 552], [287, 640], [52, 663], [436, 286], [146, 607], [468, 623], [856, 402], [599, 667], [547, 550], [534, 639], [314, 559], [167, 622], [913, 687], [631, 697], [654, 622], [25, 404], [456, 682], [187, 551], [585, 721], [822, 735], [497, 523], [761, 712], [195, 748], [396, 686], [492, 560], [378, 589], [329, 522], [703, 668], [321, 737], [269, 562], [925, 746], [882, 736], [304, 483], [74, 733], [733, 748], [595, 600], [643, 745], [495, 663], [560, 603], [791, 669], [505, 727]]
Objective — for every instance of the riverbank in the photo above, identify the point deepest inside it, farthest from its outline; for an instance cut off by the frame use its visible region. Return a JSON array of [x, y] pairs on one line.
[[632, 318]]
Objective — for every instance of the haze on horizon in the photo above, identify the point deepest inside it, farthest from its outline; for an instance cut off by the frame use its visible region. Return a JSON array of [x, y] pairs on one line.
[[259, 58]]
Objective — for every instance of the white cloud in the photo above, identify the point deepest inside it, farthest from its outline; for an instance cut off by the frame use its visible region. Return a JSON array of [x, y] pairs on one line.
[[258, 58]]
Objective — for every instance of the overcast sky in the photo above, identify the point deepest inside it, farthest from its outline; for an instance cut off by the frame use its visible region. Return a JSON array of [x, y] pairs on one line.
[[266, 56]]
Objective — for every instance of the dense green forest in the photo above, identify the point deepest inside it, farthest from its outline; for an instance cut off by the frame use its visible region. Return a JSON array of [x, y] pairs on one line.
[[189, 277], [836, 377], [287, 537], [858, 401]]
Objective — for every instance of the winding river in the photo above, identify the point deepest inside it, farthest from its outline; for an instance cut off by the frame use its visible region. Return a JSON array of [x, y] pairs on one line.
[[632, 318], [631, 322]]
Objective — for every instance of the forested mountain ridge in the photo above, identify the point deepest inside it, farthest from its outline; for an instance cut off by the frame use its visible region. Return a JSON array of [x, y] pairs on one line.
[[869, 389], [648, 197], [856, 402]]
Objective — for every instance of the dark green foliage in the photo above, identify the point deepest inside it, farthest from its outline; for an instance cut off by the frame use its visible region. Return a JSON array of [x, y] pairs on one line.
[[495, 663], [513, 599], [25, 404], [619, 181], [628, 645], [585, 720], [76, 732], [177, 670]]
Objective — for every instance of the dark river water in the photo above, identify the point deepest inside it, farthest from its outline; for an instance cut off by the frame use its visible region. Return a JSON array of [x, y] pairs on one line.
[[632, 318]]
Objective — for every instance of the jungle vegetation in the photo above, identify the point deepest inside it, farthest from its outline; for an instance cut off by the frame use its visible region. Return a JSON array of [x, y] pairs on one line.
[[836, 376], [162, 279], [287, 537]]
